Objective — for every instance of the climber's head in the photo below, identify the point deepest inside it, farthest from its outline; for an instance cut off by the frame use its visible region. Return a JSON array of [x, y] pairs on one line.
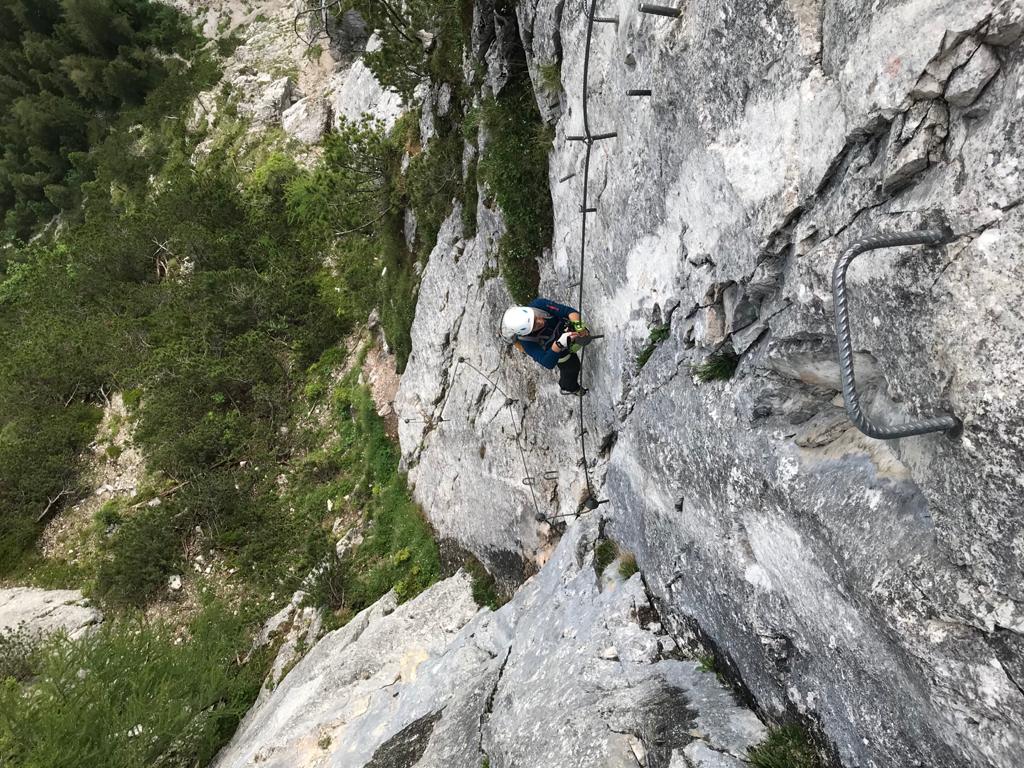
[[522, 321]]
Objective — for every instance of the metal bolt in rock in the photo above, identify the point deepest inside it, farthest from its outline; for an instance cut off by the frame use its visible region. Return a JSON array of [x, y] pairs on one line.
[[638, 92], [660, 10], [844, 342]]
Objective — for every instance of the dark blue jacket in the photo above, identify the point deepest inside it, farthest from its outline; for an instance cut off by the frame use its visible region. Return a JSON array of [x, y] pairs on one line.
[[538, 345]]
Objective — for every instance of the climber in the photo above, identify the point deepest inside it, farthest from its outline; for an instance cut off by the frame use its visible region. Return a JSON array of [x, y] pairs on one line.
[[551, 334]]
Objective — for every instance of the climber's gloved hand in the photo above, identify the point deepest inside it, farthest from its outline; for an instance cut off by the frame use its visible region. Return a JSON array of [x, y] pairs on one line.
[[564, 340]]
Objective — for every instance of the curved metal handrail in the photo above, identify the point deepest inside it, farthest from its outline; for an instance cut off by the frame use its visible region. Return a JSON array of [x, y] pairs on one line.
[[844, 343]]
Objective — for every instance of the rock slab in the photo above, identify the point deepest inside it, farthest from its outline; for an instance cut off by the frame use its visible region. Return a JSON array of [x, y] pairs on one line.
[[46, 611]]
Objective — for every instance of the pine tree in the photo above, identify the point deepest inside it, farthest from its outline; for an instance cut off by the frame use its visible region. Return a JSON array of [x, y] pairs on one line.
[[69, 70]]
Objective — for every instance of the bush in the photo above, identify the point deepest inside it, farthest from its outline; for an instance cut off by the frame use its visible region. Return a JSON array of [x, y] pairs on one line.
[[718, 367], [604, 554], [129, 695], [137, 559], [515, 167], [402, 62], [485, 588], [657, 335], [433, 180], [398, 550]]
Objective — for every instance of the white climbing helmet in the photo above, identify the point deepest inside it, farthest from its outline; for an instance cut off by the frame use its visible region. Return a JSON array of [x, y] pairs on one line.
[[517, 321]]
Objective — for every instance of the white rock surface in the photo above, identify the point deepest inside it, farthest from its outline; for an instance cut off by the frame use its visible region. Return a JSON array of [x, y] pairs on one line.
[[356, 92], [437, 683], [307, 120], [46, 611]]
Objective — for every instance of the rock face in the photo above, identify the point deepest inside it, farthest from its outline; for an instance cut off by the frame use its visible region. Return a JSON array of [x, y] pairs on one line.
[[355, 92], [569, 673], [873, 587], [307, 120], [46, 611]]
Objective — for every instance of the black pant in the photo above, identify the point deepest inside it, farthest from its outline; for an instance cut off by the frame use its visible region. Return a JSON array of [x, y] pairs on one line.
[[569, 373]]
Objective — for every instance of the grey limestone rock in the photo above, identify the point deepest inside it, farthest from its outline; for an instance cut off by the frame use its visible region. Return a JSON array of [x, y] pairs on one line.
[[307, 120], [885, 576], [967, 83], [438, 684], [275, 99], [46, 611]]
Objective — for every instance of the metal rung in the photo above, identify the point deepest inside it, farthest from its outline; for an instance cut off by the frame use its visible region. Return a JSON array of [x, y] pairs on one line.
[[606, 19], [588, 210], [660, 10], [638, 92], [593, 137], [551, 474], [939, 423], [566, 178]]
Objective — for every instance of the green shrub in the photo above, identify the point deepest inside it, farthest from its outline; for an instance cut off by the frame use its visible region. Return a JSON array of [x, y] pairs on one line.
[[604, 555], [485, 588], [628, 566], [785, 747], [433, 180], [470, 199], [129, 695], [551, 75], [138, 558], [360, 462], [657, 335], [515, 167], [402, 62], [718, 367]]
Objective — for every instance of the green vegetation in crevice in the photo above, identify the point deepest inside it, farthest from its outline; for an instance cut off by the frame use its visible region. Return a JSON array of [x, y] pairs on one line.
[[550, 73], [470, 200], [485, 588], [605, 553], [720, 366], [355, 465], [785, 747], [471, 191], [628, 565], [707, 663], [130, 694], [657, 335], [433, 180], [515, 168]]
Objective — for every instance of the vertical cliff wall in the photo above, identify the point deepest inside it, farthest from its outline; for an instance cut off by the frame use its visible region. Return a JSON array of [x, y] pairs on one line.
[[873, 586]]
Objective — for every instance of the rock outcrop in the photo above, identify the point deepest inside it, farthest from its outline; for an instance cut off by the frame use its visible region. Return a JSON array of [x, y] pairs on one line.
[[46, 611], [574, 671], [872, 587]]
